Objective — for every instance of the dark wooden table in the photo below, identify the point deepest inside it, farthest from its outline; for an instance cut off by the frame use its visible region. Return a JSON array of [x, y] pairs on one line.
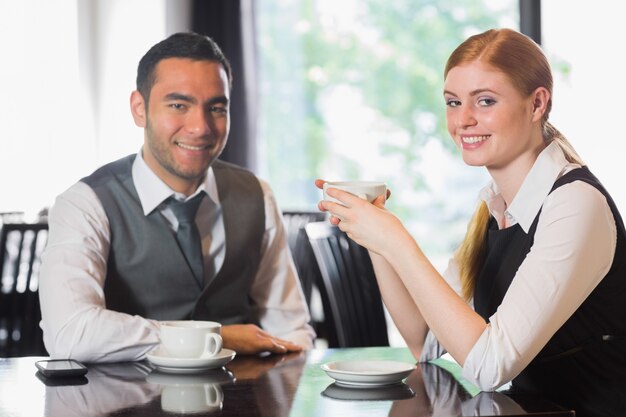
[[272, 386]]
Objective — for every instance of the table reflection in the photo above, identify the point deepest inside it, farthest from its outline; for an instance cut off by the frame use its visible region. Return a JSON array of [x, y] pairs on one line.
[[266, 381], [270, 381], [291, 385], [192, 393], [110, 388], [386, 393], [439, 394], [428, 391]]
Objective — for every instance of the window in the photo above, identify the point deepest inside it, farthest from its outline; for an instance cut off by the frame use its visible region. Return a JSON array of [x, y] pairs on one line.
[[588, 83], [353, 90], [66, 88]]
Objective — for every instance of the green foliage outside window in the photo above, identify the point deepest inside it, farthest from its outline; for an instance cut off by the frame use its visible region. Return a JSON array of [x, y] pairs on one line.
[[353, 90]]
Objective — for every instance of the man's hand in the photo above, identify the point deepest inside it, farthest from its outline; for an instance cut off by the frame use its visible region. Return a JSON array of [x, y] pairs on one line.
[[249, 339]]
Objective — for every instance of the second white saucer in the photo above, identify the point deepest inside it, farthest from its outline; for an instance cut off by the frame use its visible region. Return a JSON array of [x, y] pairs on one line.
[[365, 373], [167, 363]]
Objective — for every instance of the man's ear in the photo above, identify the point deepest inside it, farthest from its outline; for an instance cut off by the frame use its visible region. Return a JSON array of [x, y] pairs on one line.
[[138, 108], [541, 98]]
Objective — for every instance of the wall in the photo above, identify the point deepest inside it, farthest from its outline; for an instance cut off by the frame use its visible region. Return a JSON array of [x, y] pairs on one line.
[[65, 81]]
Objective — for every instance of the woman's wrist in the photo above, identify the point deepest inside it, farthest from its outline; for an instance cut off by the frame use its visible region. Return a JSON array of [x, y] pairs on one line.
[[401, 247]]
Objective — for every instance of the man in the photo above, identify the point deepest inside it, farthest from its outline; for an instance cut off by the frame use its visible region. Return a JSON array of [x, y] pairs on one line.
[[116, 263]]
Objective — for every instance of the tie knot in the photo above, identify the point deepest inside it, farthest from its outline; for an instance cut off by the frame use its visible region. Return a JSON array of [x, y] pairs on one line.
[[185, 211]]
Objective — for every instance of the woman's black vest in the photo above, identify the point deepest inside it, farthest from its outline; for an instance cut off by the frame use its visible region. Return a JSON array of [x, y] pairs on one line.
[[583, 365]]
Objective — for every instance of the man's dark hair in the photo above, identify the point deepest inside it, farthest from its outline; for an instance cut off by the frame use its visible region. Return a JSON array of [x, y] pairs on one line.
[[179, 45]]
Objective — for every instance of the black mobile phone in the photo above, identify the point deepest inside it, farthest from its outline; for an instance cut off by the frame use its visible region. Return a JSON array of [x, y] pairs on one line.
[[61, 368]]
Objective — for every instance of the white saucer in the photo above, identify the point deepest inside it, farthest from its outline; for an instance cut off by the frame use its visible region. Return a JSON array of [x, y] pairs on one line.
[[189, 365], [367, 374]]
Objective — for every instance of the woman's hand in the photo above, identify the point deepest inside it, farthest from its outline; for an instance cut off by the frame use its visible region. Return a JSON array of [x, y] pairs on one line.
[[368, 224], [319, 183]]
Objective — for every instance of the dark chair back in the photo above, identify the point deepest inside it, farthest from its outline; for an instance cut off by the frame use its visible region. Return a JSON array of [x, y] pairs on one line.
[[298, 242], [21, 245], [350, 286], [309, 272]]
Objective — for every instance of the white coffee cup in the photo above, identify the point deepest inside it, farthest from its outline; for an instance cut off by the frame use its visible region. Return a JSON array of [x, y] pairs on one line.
[[367, 190], [191, 339], [198, 398]]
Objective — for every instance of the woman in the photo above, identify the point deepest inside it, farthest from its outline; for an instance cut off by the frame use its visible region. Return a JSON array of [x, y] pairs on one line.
[[536, 293]]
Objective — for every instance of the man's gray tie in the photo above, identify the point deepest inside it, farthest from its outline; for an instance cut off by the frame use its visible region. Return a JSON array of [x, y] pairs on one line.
[[188, 235]]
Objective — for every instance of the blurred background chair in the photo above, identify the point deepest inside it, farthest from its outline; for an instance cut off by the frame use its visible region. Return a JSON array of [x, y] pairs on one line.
[[308, 271], [21, 245], [298, 242], [353, 302]]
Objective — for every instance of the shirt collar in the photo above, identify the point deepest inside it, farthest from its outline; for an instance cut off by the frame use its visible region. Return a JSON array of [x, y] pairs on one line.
[[152, 191], [548, 167]]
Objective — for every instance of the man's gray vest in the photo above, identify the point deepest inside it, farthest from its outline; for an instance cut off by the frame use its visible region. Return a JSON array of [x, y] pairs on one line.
[[147, 274]]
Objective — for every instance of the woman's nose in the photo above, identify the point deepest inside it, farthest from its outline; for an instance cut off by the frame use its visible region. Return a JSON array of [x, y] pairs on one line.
[[465, 117]]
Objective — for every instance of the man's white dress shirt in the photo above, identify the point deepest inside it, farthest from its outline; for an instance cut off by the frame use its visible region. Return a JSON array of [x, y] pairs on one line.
[[75, 320]]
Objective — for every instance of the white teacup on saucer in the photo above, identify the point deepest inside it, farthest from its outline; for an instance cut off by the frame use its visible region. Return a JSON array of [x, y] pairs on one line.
[[191, 338]]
